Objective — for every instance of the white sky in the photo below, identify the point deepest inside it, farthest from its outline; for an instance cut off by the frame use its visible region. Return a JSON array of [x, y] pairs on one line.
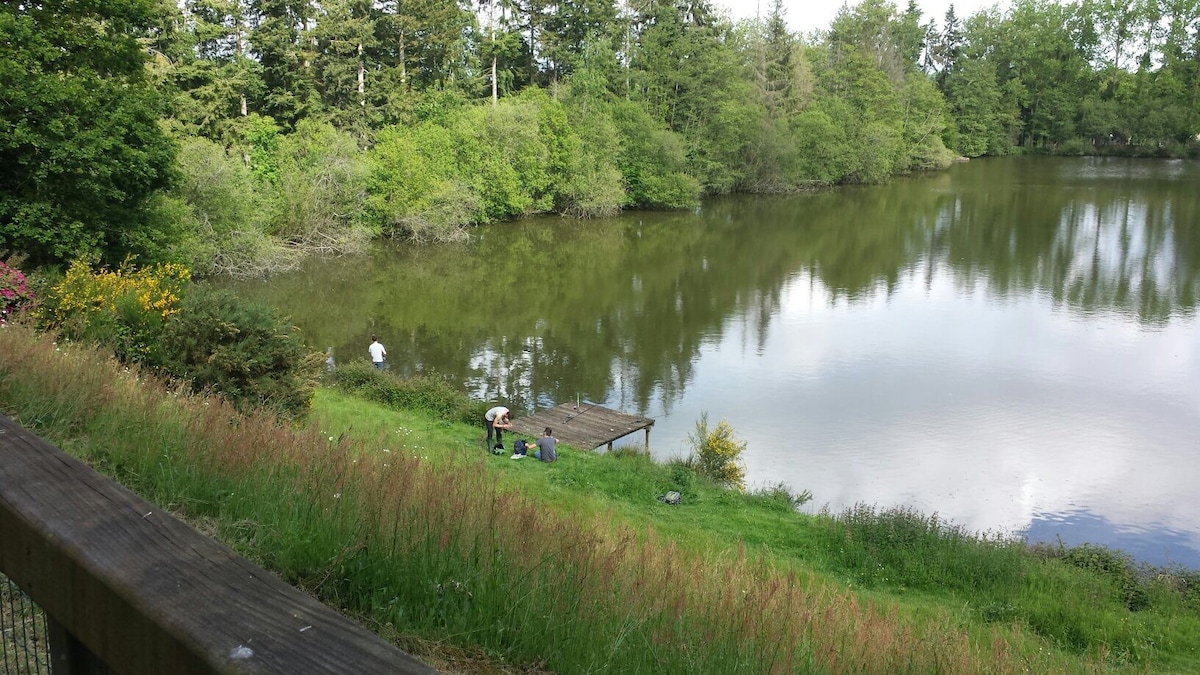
[[808, 15]]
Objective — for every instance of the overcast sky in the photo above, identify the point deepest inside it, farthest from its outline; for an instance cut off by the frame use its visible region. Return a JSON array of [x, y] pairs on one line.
[[809, 15]]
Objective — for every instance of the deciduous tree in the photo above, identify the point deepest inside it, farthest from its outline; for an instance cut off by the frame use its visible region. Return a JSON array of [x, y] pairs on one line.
[[81, 151]]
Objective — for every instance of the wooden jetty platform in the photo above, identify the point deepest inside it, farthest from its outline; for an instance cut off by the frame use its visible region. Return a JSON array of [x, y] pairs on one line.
[[586, 425]]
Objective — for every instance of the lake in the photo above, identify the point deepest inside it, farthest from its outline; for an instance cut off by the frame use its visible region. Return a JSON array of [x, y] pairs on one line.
[[1011, 343]]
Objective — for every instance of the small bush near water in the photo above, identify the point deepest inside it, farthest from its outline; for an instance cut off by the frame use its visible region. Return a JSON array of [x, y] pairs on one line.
[[717, 454], [1114, 565], [242, 351], [779, 497], [903, 547], [900, 548], [438, 553], [426, 393]]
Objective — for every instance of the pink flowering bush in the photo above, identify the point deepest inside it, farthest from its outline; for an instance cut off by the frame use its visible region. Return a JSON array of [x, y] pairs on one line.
[[14, 291]]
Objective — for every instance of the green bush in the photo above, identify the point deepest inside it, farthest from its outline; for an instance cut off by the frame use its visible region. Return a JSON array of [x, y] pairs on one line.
[[225, 217], [240, 350], [319, 191], [1187, 584], [683, 478], [1075, 147], [493, 164], [592, 184], [779, 497], [426, 393], [653, 161], [822, 146], [1117, 566], [413, 188], [717, 454]]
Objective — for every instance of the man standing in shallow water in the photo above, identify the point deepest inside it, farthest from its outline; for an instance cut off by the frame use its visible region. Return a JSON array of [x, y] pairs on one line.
[[378, 353]]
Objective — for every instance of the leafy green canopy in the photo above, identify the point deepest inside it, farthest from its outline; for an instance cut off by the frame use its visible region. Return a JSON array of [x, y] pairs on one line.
[[418, 118], [81, 152]]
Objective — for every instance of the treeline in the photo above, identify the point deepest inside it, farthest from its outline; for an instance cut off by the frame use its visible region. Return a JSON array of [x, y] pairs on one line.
[[234, 135], [1084, 77]]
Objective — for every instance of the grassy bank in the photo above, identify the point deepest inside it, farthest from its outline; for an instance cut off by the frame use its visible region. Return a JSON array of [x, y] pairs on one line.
[[1083, 601], [399, 519]]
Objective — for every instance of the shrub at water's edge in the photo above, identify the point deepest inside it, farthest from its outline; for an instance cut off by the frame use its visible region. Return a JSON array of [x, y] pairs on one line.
[[242, 351], [428, 392], [437, 551], [717, 454]]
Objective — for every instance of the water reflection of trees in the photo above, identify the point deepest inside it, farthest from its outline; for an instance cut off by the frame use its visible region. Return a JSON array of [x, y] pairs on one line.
[[545, 310], [1123, 241]]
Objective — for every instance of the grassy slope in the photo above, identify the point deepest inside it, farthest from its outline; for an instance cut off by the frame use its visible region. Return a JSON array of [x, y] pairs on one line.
[[430, 549], [580, 482], [1078, 611]]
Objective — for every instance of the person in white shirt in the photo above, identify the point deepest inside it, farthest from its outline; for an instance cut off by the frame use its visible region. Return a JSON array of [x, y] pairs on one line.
[[378, 353], [496, 421]]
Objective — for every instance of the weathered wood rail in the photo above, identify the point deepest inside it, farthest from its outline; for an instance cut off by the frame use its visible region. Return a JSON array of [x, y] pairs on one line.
[[132, 587]]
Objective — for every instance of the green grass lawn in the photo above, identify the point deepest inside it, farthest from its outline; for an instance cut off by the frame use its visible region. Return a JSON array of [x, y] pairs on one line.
[[628, 485]]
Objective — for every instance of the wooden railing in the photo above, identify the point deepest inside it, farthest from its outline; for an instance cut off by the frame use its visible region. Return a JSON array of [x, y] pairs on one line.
[[129, 587]]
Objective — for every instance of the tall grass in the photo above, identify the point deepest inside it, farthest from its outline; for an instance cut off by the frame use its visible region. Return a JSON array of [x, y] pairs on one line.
[[438, 552], [904, 547], [1005, 583]]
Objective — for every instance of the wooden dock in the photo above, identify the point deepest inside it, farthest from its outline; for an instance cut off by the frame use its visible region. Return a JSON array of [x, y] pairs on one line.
[[586, 425]]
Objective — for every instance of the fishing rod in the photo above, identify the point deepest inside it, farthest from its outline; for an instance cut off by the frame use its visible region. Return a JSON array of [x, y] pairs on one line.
[[577, 414]]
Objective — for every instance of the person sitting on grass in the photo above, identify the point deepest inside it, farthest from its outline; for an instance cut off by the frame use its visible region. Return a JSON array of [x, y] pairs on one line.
[[547, 447]]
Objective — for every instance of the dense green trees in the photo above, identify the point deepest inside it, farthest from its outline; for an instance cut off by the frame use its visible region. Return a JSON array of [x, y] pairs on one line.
[[82, 156], [1086, 76], [312, 126]]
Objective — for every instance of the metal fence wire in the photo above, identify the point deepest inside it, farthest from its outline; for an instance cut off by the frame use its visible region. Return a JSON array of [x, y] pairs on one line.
[[24, 637]]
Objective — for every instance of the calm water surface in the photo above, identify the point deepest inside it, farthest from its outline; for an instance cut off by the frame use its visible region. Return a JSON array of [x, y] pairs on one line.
[[1011, 343]]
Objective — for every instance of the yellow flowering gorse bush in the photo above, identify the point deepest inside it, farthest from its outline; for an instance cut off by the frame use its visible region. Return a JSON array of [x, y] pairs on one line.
[[717, 454], [125, 308], [156, 289]]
